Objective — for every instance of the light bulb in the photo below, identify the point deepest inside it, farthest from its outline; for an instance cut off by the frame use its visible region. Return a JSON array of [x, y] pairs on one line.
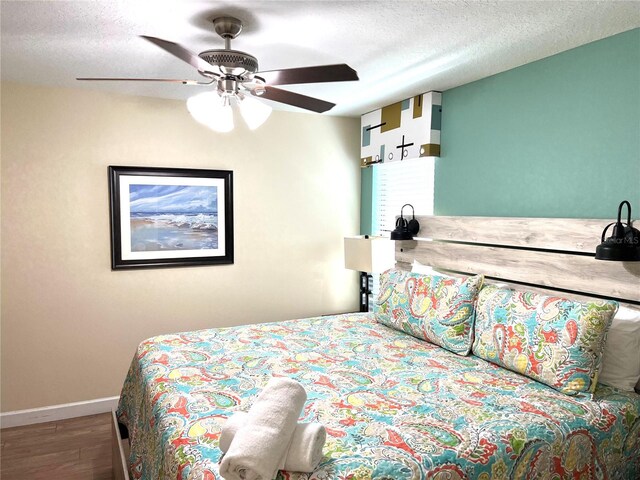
[[255, 113], [211, 110]]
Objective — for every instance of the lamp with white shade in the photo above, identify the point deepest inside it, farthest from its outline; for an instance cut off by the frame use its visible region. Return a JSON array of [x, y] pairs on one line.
[[368, 255]]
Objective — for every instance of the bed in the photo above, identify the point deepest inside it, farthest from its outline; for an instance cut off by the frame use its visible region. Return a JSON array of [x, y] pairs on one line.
[[395, 407]]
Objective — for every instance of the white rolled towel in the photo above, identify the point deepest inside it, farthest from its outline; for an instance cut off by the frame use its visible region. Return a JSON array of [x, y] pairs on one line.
[[259, 448], [305, 452]]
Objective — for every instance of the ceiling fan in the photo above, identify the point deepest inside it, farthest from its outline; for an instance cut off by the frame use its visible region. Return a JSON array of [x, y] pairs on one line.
[[235, 74]]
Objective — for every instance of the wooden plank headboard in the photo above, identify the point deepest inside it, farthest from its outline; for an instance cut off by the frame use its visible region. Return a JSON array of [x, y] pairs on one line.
[[555, 254]]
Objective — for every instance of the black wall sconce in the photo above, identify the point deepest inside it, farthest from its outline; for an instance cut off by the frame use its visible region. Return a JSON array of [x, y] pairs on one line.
[[624, 243], [406, 229]]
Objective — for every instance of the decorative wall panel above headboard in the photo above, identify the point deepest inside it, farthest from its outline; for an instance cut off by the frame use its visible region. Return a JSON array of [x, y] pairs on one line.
[[403, 130], [546, 252]]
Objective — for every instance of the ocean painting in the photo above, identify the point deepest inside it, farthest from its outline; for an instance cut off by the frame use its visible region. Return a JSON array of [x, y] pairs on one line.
[[173, 217]]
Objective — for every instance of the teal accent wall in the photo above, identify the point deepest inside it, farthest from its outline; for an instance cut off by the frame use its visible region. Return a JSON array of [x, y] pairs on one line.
[[366, 200], [559, 137]]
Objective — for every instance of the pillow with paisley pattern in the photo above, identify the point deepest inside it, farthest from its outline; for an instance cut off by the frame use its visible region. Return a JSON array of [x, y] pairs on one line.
[[436, 308], [553, 340]]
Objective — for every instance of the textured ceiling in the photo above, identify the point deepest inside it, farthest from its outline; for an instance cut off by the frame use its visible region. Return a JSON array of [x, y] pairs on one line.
[[399, 48]]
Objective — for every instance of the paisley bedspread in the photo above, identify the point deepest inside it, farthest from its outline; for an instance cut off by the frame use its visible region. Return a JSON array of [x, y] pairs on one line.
[[395, 407]]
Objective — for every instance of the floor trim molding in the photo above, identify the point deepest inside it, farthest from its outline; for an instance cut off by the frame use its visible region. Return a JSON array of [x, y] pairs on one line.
[[53, 413]]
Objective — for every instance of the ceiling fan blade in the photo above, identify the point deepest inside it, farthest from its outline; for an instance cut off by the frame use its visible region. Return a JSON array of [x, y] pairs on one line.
[[322, 73], [296, 99], [181, 52], [168, 80]]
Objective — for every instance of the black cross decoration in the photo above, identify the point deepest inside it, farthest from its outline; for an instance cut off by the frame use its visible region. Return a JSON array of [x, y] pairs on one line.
[[402, 147]]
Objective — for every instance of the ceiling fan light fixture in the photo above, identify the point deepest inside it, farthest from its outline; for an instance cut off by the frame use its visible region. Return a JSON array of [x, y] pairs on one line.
[[253, 112], [212, 111]]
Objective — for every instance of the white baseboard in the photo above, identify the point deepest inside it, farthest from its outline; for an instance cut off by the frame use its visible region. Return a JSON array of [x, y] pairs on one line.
[[57, 412]]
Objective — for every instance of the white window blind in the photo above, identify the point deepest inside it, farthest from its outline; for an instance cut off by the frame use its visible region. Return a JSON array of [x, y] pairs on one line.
[[394, 184], [397, 183]]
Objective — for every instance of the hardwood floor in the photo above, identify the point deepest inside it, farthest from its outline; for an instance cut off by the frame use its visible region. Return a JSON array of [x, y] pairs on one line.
[[73, 449]]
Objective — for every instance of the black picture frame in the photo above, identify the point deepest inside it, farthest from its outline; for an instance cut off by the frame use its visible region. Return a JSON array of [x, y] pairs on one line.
[[170, 217]]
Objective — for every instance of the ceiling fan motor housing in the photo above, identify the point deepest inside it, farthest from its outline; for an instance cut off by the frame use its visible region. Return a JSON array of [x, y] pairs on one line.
[[231, 62]]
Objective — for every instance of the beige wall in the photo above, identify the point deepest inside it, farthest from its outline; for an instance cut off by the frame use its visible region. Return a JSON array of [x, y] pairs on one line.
[[69, 324]]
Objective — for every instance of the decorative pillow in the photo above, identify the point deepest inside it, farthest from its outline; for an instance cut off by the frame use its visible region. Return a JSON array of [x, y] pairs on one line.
[[621, 357], [438, 309], [553, 340]]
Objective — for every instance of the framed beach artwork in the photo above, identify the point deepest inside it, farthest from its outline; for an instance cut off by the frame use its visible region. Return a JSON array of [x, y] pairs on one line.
[[170, 217]]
